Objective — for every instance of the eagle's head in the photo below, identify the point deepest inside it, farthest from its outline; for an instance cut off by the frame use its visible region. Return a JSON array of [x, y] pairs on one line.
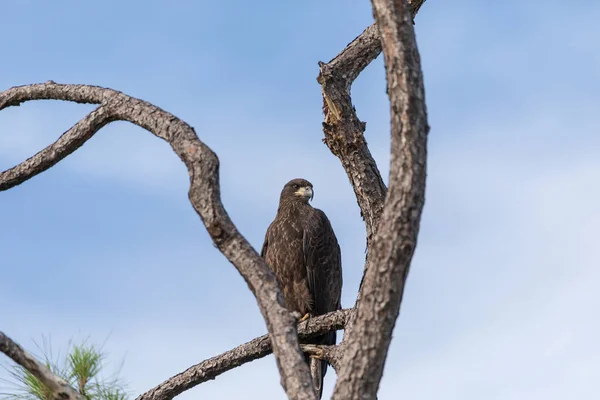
[[297, 190]]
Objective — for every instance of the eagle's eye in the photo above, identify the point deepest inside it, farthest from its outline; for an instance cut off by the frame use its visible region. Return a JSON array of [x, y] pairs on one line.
[[296, 186]]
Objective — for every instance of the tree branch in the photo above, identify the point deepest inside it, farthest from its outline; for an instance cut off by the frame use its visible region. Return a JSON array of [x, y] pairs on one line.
[[378, 306], [342, 128], [204, 194], [69, 141], [250, 351], [344, 131], [60, 389]]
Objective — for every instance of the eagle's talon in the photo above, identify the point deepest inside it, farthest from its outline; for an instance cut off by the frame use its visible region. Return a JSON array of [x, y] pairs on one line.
[[306, 316], [319, 354]]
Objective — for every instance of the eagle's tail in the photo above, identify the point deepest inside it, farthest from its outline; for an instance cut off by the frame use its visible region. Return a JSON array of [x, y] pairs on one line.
[[318, 368]]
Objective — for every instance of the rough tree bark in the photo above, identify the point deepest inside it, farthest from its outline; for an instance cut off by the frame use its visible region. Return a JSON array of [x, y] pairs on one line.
[[344, 130], [378, 306], [391, 216]]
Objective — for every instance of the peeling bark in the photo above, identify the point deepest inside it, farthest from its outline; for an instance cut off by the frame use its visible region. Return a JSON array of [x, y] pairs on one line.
[[344, 131]]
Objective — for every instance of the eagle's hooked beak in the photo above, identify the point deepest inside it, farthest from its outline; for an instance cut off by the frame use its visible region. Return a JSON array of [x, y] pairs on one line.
[[305, 192]]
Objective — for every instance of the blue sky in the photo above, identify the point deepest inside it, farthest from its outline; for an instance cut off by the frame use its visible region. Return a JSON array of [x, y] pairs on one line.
[[501, 301]]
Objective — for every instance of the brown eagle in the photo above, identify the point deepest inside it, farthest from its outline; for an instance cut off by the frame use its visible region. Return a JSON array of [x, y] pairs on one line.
[[303, 252]]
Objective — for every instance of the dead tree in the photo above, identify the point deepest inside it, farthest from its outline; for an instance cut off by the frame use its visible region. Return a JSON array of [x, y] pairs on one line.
[[392, 215]]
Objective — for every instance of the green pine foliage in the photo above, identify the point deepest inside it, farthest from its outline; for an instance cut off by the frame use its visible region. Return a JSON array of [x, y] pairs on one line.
[[82, 368]]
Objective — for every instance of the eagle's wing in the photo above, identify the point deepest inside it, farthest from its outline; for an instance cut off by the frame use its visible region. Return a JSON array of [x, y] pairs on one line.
[[323, 263], [263, 251]]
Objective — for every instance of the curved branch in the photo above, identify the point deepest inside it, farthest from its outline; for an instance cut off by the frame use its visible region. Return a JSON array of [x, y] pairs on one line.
[[378, 306], [247, 352], [204, 194], [60, 389], [342, 128], [69, 141]]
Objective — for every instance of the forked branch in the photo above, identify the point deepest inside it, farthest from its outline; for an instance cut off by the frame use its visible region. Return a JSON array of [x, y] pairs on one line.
[[342, 128], [204, 194], [392, 248]]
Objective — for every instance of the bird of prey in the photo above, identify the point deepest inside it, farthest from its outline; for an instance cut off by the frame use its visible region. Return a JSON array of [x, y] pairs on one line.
[[303, 252]]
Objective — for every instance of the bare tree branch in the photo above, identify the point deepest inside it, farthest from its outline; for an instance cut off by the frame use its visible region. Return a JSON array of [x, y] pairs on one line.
[[250, 351], [342, 128], [204, 194], [378, 306], [60, 389], [344, 131], [69, 141]]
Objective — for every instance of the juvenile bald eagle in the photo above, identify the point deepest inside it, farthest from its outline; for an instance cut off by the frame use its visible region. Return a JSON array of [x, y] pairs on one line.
[[302, 250]]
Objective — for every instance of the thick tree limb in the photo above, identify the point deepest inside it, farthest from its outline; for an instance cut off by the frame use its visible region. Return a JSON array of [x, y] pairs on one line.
[[204, 194], [342, 128], [60, 389], [344, 131], [366, 346], [250, 351]]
